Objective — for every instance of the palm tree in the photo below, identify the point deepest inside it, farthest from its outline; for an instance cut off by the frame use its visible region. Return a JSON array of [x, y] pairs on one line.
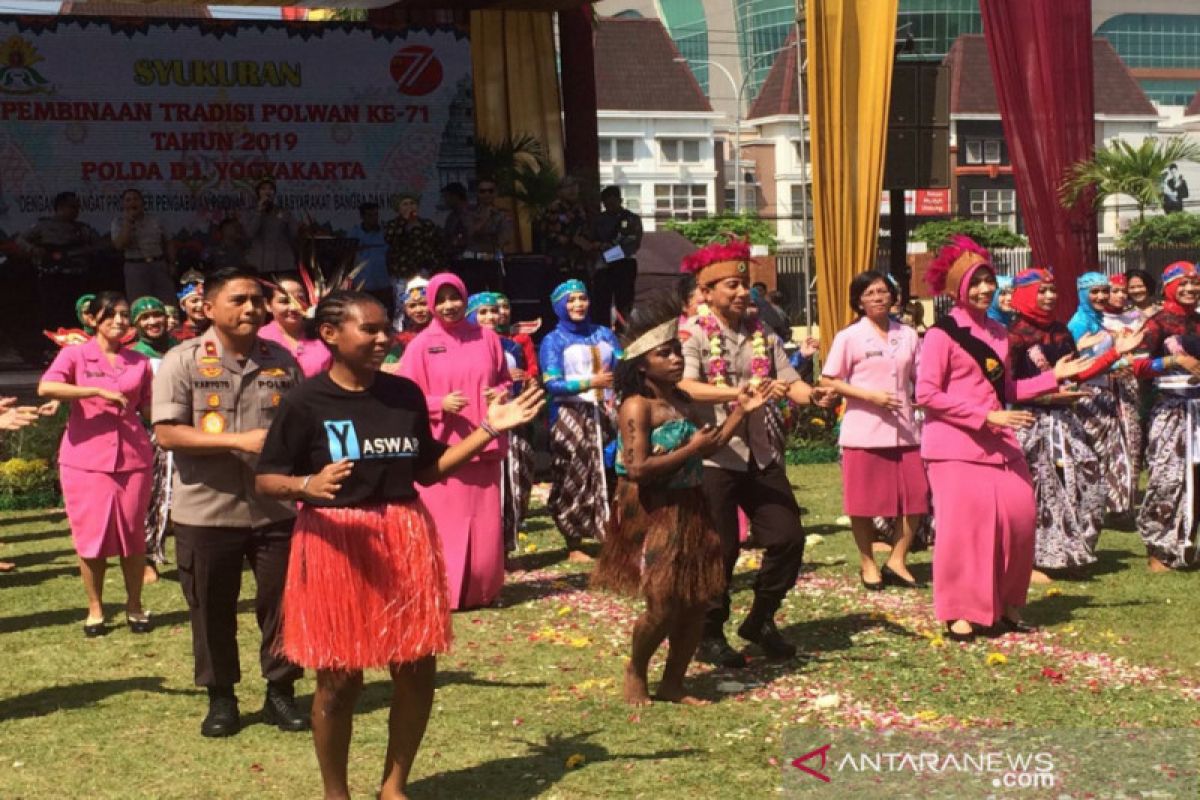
[[1122, 169]]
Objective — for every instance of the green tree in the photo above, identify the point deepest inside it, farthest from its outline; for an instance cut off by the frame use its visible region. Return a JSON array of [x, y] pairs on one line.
[[1120, 169], [937, 233], [709, 229], [1165, 230]]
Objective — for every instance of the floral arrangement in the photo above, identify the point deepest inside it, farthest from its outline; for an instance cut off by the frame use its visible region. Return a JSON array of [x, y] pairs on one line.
[[717, 366]]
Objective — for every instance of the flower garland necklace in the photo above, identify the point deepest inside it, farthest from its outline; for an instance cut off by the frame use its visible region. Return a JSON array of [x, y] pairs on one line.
[[717, 367]]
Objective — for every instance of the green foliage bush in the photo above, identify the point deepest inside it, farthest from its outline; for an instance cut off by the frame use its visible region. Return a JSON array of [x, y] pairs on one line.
[[1166, 230], [703, 231], [937, 233], [29, 464]]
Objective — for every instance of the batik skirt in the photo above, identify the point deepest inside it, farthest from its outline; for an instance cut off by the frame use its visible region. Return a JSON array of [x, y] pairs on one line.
[[1068, 488], [1129, 404], [1163, 520], [158, 515], [578, 499], [661, 544], [1100, 414], [517, 483]]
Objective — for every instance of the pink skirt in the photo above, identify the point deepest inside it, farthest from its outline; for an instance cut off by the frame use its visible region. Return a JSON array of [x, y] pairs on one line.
[[365, 588], [884, 482], [466, 508], [106, 510]]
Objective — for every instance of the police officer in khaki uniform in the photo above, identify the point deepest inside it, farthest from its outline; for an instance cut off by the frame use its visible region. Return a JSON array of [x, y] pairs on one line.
[[748, 472], [214, 399]]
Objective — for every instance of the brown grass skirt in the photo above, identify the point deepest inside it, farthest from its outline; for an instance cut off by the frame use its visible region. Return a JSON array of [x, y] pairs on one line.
[[662, 544], [366, 587]]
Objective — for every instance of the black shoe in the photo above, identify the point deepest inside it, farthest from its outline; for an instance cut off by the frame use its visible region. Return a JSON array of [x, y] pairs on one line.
[[767, 636], [1015, 626], [279, 709], [94, 629], [716, 650], [893, 578], [140, 623], [955, 636], [223, 718], [877, 586]]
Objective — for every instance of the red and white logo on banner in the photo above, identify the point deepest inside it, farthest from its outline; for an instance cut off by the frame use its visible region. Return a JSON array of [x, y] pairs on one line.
[[416, 70]]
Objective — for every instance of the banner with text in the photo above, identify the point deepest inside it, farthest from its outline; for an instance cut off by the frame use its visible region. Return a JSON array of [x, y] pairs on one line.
[[195, 113]]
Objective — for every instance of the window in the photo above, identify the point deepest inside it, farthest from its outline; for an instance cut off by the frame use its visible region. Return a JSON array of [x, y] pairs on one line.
[[616, 151], [800, 230], [681, 151], [802, 157], [631, 197], [995, 207], [974, 151], [680, 201], [991, 151]]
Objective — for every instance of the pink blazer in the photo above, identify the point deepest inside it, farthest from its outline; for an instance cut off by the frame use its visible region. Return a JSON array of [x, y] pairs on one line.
[[957, 397], [99, 435]]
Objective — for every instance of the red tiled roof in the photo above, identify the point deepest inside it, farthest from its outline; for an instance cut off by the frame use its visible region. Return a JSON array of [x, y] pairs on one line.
[[778, 93], [636, 69], [972, 91]]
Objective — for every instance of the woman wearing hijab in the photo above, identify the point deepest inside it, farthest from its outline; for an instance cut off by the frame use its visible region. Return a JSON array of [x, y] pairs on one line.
[[1166, 519], [577, 360], [983, 497], [1099, 410], [1067, 472], [459, 367], [153, 340], [414, 317], [1119, 317], [1001, 309]]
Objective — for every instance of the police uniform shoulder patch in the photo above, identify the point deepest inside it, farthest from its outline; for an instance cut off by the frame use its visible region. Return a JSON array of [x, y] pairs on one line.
[[210, 349]]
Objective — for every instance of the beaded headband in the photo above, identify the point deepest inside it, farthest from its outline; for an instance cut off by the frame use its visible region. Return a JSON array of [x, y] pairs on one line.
[[666, 332]]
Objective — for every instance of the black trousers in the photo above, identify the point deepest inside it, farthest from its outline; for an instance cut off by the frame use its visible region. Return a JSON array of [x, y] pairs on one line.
[[613, 285], [210, 573], [766, 497]]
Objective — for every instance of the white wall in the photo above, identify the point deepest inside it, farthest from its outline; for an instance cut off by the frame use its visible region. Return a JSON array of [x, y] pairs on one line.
[[1120, 211], [648, 168]]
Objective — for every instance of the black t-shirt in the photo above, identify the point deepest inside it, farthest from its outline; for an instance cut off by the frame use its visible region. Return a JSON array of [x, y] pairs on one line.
[[384, 431]]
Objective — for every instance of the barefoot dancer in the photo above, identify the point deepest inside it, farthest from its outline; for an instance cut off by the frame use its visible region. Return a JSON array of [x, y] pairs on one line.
[[661, 540], [366, 586]]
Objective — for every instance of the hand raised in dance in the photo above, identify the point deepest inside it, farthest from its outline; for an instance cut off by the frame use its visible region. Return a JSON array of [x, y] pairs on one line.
[[14, 418], [328, 482], [48, 408], [1127, 341], [888, 400], [504, 416], [706, 441], [1010, 419], [116, 398], [824, 396], [601, 380], [454, 402], [1068, 367], [809, 347], [751, 398]]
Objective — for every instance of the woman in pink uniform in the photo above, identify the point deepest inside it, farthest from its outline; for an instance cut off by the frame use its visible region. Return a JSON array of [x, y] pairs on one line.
[[105, 461], [873, 363], [287, 327], [983, 498], [458, 365]]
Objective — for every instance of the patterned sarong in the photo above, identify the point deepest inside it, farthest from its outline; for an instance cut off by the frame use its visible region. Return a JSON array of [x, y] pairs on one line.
[[1164, 520], [158, 515], [1101, 418], [1068, 486], [579, 495]]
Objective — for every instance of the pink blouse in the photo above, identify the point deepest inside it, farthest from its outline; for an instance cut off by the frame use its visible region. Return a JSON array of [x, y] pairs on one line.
[[957, 397], [865, 360], [311, 354], [100, 436]]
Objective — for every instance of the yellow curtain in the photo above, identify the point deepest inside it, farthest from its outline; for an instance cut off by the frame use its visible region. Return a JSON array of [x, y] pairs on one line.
[[516, 83], [850, 52]]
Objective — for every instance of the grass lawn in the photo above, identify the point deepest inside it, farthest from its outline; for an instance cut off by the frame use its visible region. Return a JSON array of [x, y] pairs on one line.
[[528, 702]]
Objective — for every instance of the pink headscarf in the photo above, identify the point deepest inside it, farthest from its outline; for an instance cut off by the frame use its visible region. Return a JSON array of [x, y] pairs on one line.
[[431, 291]]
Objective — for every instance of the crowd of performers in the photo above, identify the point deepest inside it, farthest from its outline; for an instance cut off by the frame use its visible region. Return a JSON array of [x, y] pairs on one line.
[[374, 473]]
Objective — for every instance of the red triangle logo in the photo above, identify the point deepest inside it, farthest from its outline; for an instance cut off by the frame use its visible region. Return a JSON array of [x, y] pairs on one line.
[[799, 764]]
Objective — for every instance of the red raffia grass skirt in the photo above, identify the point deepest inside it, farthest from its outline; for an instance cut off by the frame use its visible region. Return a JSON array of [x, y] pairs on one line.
[[366, 587]]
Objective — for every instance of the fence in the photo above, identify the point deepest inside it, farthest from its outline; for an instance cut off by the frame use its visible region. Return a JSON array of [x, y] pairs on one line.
[[1008, 261]]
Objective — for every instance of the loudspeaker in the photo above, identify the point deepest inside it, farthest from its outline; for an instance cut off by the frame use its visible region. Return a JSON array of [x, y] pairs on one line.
[[918, 153]]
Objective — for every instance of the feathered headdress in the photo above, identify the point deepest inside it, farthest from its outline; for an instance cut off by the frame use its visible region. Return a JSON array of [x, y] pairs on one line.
[[718, 261], [952, 262]]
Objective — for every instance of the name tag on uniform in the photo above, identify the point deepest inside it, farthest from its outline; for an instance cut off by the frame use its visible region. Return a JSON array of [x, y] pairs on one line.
[[873, 354], [435, 350]]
